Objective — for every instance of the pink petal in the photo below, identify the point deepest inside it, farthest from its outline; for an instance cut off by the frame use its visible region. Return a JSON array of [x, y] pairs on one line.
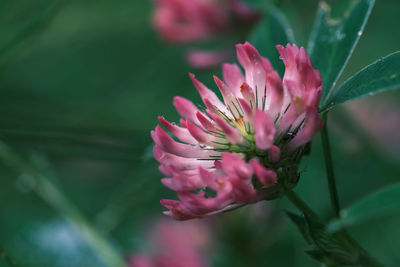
[[233, 76], [207, 93], [206, 59], [236, 167], [312, 125], [242, 192], [186, 108], [253, 65], [210, 179], [175, 210], [248, 111], [199, 134], [181, 133], [229, 98], [265, 176], [264, 129], [180, 162], [206, 123], [183, 182], [274, 154], [231, 133], [213, 109], [248, 94], [162, 139], [275, 95]]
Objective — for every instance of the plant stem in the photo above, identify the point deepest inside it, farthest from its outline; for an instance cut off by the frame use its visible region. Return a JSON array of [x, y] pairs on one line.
[[301, 205], [329, 168]]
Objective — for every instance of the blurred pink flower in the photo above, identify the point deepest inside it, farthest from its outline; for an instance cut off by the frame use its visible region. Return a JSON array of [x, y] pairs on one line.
[[176, 245], [229, 153], [189, 20], [379, 118], [206, 59], [184, 21]]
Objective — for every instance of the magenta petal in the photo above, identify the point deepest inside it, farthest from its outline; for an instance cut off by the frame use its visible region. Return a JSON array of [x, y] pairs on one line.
[[180, 163], [181, 133], [175, 210], [248, 94], [231, 133], [229, 98], [265, 176], [182, 182], [210, 179], [206, 123], [253, 65], [186, 108], [233, 76], [236, 167], [311, 126], [274, 154], [199, 134], [264, 129], [206, 59], [248, 111], [242, 192], [207, 93], [171, 146]]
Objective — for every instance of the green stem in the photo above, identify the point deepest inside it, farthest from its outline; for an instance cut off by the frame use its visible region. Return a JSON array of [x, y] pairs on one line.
[[55, 198], [301, 205], [329, 168]]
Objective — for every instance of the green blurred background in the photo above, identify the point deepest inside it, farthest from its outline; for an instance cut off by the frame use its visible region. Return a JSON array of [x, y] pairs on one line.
[[82, 84]]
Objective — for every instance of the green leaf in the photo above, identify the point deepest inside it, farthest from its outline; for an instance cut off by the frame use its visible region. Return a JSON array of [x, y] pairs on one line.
[[333, 39], [329, 247], [383, 202], [382, 75], [271, 31], [36, 16]]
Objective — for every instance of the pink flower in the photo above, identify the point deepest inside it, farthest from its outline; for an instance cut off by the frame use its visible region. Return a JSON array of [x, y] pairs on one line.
[[184, 20], [234, 151], [176, 245], [206, 59]]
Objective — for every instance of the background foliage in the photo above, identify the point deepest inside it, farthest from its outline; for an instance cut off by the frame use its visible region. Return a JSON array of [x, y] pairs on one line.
[[82, 83]]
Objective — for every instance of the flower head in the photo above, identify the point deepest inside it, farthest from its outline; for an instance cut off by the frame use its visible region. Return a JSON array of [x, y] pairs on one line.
[[235, 150], [190, 21]]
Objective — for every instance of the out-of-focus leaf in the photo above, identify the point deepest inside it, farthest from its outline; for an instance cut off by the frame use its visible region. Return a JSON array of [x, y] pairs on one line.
[[382, 75], [333, 39], [272, 31], [15, 31], [34, 235], [383, 202], [93, 143], [55, 198], [259, 4], [5, 259]]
